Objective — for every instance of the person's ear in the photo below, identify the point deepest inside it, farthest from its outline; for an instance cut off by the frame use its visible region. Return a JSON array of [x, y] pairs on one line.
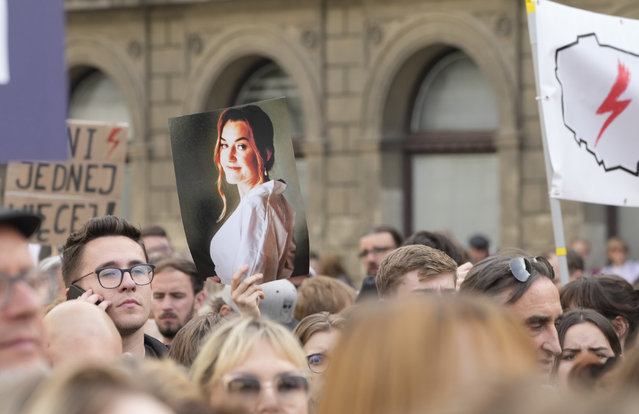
[[269, 154], [200, 298], [621, 326], [225, 310]]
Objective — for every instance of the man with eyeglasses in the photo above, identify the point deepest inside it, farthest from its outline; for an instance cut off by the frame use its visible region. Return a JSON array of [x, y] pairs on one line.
[[106, 261], [21, 326], [374, 245], [525, 286]]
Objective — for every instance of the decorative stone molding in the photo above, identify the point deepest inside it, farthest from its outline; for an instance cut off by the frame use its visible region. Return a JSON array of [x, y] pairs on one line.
[[224, 50], [108, 58]]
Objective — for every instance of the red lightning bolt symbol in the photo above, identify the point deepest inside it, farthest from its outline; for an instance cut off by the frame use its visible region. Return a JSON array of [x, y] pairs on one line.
[[112, 140], [612, 103]]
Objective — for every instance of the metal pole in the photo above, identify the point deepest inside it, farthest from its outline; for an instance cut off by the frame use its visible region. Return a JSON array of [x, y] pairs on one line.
[[555, 205]]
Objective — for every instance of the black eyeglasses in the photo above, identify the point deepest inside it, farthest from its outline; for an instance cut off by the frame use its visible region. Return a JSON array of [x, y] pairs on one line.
[[111, 277], [288, 386], [521, 268], [317, 362]]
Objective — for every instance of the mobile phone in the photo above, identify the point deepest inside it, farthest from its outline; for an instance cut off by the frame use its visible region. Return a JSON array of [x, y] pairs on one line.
[[74, 292]]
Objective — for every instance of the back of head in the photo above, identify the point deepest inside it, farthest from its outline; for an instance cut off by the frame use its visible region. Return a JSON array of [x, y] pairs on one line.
[[331, 265], [427, 261], [495, 275], [610, 295], [575, 261], [441, 242], [94, 228], [416, 355], [86, 389], [188, 341], [168, 382], [79, 332], [232, 342], [322, 293]]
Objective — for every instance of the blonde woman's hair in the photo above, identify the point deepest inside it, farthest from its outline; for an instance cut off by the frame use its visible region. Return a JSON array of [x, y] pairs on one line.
[[231, 343], [422, 355]]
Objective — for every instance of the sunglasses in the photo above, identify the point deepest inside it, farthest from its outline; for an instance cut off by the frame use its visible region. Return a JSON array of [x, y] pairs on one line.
[[287, 386], [521, 268]]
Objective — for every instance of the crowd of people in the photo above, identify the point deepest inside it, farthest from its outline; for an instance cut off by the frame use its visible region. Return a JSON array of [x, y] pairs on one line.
[[121, 323]]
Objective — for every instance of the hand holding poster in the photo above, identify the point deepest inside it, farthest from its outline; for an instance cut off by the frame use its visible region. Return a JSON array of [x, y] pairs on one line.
[[588, 84], [67, 194], [238, 190]]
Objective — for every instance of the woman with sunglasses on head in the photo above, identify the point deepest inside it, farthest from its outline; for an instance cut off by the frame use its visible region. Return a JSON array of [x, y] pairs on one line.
[[318, 333], [254, 364], [583, 332], [259, 233]]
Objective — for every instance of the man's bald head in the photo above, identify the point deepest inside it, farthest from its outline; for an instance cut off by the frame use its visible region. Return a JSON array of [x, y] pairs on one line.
[[81, 332]]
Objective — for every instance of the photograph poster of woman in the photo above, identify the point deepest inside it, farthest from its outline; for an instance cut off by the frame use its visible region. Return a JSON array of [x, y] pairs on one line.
[[239, 193]]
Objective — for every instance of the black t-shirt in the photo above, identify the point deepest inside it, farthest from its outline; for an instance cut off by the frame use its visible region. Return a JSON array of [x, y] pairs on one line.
[[154, 348]]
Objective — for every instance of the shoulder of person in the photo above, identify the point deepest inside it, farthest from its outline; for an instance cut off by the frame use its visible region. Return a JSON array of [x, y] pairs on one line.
[[153, 348]]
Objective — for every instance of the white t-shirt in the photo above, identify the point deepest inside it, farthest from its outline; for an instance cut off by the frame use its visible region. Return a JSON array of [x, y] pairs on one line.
[[258, 233], [629, 270]]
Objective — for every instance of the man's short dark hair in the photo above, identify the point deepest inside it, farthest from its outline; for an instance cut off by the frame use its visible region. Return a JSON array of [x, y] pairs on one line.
[[427, 261], [395, 234], [94, 228], [479, 241], [439, 241], [493, 277], [185, 266], [154, 231]]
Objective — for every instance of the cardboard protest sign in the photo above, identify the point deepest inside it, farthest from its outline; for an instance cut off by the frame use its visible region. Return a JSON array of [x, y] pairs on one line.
[[67, 194], [588, 82], [239, 193], [33, 80]]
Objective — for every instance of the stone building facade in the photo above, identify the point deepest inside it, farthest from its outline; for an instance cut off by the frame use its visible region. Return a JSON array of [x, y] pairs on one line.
[[358, 70]]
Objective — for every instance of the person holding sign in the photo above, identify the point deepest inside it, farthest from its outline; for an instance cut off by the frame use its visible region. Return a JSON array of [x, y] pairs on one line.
[[259, 233]]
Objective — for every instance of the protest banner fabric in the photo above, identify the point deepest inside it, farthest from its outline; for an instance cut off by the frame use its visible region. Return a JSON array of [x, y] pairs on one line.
[[33, 80], [69, 193], [588, 85]]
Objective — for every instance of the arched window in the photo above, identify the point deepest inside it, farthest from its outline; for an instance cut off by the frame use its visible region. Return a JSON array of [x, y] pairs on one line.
[[269, 81], [454, 170], [95, 97]]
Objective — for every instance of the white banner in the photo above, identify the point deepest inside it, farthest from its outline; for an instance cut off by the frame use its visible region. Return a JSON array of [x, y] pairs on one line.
[[4, 43], [588, 86]]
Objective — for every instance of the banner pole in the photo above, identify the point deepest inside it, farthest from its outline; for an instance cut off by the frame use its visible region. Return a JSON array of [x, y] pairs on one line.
[[555, 204]]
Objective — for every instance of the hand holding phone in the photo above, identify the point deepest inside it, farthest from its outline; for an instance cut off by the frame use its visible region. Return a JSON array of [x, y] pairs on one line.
[[74, 292]]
